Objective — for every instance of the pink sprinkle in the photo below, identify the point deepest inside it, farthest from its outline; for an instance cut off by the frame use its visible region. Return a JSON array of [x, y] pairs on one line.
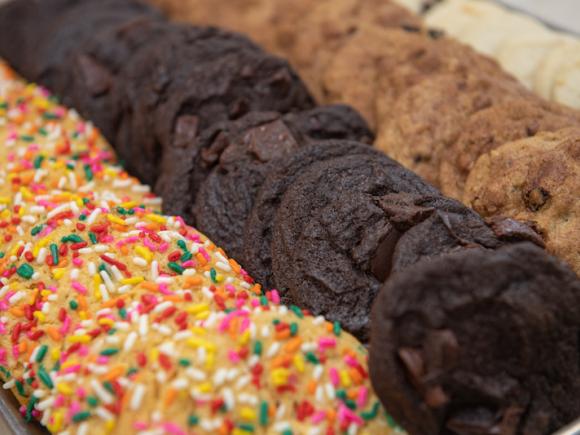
[[231, 289], [72, 369], [83, 350], [351, 361], [65, 326], [234, 356], [346, 415], [334, 378], [140, 425], [102, 360], [326, 342], [81, 393], [172, 428], [255, 303], [148, 243], [203, 252], [187, 264], [2, 328], [59, 401], [3, 355], [15, 351], [363, 395], [318, 417], [275, 296], [77, 261], [163, 247], [79, 287]]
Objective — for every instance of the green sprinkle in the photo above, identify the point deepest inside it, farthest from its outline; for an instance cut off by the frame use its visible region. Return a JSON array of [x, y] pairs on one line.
[[297, 311], [192, 420], [25, 271], [93, 401], [70, 166], [81, 416], [351, 404], [258, 348], [109, 351], [182, 245], [27, 138], [93, 238], [43, 131], [184, 362], [103, 268], [86, 201], [264, 413], [37, 229], [287, 432], [276, 321], [75, 238], [123, 313], [88, 173], [372, 413], [186, 256], [4, 105], [111, 331], [293, 329], [41, 353], [109, 387], [341, 394], [50, 116], [132, 371], [73, 304], [38, 161], [312, 358], [83, 217], [30, 407], [246, 426], [20, 388], [45, 377], [336, 328], [6, 372], [213, 275], [54, 253], [175, 267], [263, 300], [2, 254]]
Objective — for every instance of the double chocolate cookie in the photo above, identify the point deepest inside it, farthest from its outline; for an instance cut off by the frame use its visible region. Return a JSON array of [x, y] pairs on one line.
[[479, 342]]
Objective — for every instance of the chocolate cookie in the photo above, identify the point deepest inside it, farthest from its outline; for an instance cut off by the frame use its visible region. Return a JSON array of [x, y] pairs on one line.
[[347, 249], [302, 220], [479, 342], [182, 84], [242, 154], [257, 253]]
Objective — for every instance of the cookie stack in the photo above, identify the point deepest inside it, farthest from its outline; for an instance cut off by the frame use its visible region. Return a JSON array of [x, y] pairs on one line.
[[435, 105], [117, 319], [309, 208]]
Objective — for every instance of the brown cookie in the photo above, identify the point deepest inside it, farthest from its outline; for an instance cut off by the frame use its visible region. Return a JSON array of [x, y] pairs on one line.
[[535, 179], [479, 342]]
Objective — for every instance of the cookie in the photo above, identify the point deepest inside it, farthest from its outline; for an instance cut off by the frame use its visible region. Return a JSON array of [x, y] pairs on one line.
[[225, 76], [294, 242], [464, 343], [533, 179], [486, 130], [257, 252], [241, 157]]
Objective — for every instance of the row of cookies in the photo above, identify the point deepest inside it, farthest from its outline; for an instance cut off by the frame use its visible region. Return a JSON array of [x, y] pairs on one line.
[[294, 198], [436, 106], [319, 198], [117, 319], [544, 60]]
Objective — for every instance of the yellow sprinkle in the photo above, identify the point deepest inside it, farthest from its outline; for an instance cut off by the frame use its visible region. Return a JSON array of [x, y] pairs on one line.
[[247, 413], [199, 342], [27, 194], [110, 425], [197, 308], [41, 103], [238, 431], [244, 338], [198, 330], [83, 315], [155, 218], [55, 354], [40, 316], [106, 321], [279, 376], [206, 387], [57, 420], [58, 272], [298, 362], [202, 316], [129, 204], [79, 338], [5, 200], [144, 252], [115, 219], [64, 389], [345, 379], [210, 360], [154, 354], [5, 214], [133, 280], [45, 293]]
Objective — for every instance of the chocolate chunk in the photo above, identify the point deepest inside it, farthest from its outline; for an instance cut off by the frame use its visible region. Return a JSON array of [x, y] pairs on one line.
[[479, 342]]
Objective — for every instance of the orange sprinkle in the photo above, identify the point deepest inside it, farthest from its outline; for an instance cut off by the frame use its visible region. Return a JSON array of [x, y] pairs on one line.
[[256, 289], [53, 333], [170, 396], [17, 311], [148, 285], [311, 387], [115, 372], [192, 281], [355, 376], [293, 345], [235, 266], [282, 334], [200, 259]]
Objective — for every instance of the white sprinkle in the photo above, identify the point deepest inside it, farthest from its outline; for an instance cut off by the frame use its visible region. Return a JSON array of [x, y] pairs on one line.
[[130, 341], [223, 266], [330, 392], [229, 399], [58, 210], [107, 281], [117, 273], [93, 216], [143, 325], [83, 429], [273, 350], [139, 261], [180, 384], [42, 253], [9, 385], [154, 270], [85, 251], [16, 297], [317, 372], [195, 374], [100, 248], [45, 404], [137, 397], [100, 391]]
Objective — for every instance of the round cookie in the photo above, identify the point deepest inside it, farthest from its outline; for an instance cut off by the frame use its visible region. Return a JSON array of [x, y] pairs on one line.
[[257, 251], [533, 179], [465, 343], [224, 77], [241, 157], [318, 187], [487, 129]]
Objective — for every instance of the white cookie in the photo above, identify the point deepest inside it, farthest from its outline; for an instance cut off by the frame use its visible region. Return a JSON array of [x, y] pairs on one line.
[[550, 66], [522, 55]]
